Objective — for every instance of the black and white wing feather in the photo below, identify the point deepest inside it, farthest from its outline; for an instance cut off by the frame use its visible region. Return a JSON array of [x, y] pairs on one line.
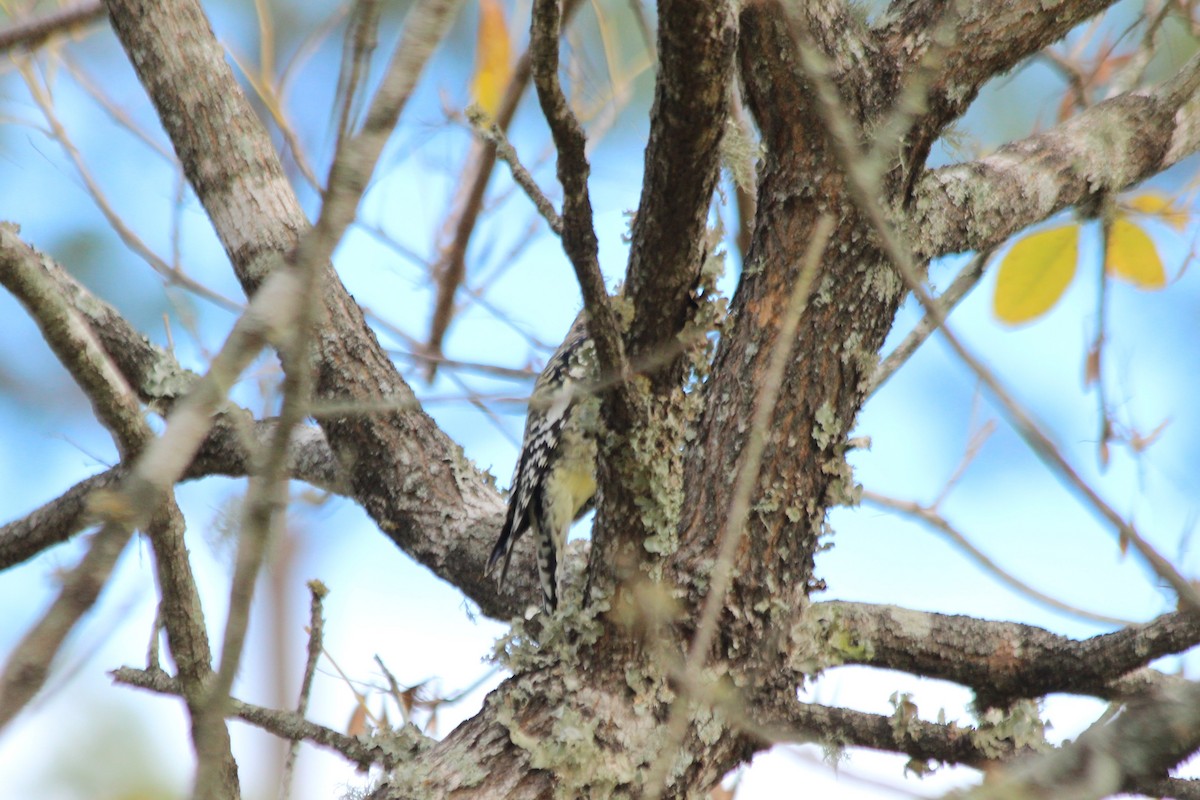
[[544, 497]]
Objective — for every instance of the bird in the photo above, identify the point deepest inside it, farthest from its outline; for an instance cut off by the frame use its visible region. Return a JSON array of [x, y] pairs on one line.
[[554, 482]]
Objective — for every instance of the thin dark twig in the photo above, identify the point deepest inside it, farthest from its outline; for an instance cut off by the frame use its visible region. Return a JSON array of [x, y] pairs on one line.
[[450, 270], [958, 289], [491, 132], [578, 236], [932, 519], [316, 639], [402, 744]]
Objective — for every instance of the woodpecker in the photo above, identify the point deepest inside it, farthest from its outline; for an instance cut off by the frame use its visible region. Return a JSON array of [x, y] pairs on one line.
[[554, 483]]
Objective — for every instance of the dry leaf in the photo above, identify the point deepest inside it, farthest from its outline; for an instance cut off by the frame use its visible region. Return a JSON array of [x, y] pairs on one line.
[[358, 720], [493, 57]]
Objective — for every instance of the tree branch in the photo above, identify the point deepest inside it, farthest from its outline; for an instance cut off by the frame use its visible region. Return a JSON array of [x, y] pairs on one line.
[[363, 751], [933, 519], [69, 336], [227, 451], [444, 512], [1107, 148], [32, 279], [578, 236], [1001, 661], [33, 32], [450, 268], [696, 45], [982, 40], [958, 289], [1152, 734], [812, 723]]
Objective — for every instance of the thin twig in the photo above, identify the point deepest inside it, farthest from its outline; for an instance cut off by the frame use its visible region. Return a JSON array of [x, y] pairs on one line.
[[578, 235], [450, 270], [739, 505], [491, 132], [400, 745], [958, 289], [117, 407], [29, 664], [118, 114], [935, 521], [974, 445], [316, 639], [58, 132]]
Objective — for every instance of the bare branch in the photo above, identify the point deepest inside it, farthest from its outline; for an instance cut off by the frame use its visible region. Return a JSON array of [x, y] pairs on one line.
[[227, 451], [316, 639], [864, 187], [1107, 148], [54, 522], [973, 42], [33, 32], [28, 665], [450, 269], [22, 273], [932, 519], [1003, 661], [32, 279], [444, 515], [958, 289], [696, 44], [578, 236], [813, 723], [388, 753], [491, 133], [1152, 734]]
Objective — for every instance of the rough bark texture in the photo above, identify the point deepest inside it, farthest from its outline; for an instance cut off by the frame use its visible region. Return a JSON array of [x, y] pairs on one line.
[[405, 472]]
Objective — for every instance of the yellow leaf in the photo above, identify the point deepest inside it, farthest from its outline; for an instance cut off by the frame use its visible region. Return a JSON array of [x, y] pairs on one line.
[[1035, 273], [1157, 204], [493, 57], [1133, 257]]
